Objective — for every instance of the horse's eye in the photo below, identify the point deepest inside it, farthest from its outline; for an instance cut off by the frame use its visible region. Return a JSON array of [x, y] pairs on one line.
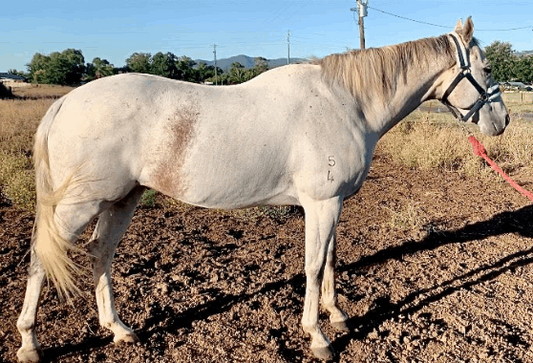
[[487, 70]]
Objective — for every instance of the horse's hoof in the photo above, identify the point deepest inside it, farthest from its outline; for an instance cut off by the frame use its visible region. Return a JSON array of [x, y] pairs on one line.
[[323, 353], [129, 338], [25, 355], [342, 326]]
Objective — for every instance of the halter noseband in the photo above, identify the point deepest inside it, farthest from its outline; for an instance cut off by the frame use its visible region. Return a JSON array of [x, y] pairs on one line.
[[486, 96]]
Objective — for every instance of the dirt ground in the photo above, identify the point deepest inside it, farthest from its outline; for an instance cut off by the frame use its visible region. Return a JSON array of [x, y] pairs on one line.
[[432, 267]]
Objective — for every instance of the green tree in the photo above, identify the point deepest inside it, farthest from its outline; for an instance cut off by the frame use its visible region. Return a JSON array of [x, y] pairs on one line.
[[523, 69], [36, 67], [205, 72], [139, 62], [237, 73], [502, 59], [186, 71], [65, 68], [164, 65], [56, 69], [99, 68], [260, 66], [74, 65]]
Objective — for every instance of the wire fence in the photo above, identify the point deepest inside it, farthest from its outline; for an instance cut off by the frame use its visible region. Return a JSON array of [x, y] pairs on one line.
[[518, 97]]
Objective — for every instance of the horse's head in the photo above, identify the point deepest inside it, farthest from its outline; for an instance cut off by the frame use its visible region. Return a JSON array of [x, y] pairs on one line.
[[469, 90]]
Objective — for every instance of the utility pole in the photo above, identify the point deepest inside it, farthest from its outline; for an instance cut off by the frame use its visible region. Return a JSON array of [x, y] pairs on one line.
[[288, 47], [361, 25], [362, 11], [215, 53]]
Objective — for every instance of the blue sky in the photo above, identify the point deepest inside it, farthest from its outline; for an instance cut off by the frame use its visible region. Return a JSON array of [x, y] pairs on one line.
[[113, 30]]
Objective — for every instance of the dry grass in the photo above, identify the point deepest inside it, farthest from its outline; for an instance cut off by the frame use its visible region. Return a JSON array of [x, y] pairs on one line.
[[432, 140], [422, 140], [428, 141], [407, 217], [18, 121], [39, 91], [519, 102]]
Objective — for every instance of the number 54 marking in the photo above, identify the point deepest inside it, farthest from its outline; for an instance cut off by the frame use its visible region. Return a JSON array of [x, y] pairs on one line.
[[331, 162]]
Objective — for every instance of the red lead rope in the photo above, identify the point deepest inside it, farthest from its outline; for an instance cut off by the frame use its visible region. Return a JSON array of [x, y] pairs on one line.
[[479, 150]]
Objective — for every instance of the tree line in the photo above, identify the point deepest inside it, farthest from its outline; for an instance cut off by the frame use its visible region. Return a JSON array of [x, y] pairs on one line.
[[507, 65], [69, 68]]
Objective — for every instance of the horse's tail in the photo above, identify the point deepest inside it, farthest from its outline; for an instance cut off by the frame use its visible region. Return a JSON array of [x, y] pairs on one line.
[[49, 245]]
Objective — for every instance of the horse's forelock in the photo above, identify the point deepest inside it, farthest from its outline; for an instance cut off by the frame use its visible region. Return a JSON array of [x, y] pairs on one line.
[[377, 71]]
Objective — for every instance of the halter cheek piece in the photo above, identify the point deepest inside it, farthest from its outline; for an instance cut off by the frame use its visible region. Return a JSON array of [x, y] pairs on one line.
[[486, 96]]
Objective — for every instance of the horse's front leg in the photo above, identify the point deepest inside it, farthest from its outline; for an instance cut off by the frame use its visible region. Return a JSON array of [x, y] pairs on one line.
[[321, 218], [30, 351], [337, 317]]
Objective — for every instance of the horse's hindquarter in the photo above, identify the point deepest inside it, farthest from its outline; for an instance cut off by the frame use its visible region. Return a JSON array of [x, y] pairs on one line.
[[97, 133]]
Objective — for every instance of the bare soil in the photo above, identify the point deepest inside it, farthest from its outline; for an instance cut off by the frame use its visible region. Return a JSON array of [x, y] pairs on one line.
[[432, 267]]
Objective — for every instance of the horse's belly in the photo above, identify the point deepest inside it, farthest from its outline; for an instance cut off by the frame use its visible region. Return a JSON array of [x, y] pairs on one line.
[[227, 184]]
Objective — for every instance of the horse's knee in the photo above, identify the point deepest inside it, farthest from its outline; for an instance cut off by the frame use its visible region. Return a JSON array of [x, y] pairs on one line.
[[24, 326]]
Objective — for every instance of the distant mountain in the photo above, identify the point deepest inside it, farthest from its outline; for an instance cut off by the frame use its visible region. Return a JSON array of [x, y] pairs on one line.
[[247, 62]]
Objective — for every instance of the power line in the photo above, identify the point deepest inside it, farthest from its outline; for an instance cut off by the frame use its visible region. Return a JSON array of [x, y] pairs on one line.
[[446, 26], [403, 17], [504, 30]]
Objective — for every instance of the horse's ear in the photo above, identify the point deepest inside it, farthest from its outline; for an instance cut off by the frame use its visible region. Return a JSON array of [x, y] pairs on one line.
[[459, 26], [466, 31]]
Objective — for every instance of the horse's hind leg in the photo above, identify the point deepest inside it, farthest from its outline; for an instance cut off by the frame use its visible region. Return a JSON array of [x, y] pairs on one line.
[[71, 220], [30, 351], [110, 228]]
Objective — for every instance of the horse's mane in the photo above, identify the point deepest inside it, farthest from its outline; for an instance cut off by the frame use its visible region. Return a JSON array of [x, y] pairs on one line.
[[377, 71]]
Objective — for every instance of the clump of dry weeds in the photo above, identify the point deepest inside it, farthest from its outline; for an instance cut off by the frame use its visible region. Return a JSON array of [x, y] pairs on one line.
[[429, 141]]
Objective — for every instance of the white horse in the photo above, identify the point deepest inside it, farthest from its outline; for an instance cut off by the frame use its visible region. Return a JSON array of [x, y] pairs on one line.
[[301, 134]]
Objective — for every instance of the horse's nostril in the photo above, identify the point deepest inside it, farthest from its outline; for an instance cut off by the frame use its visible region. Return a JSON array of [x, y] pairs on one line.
[[507, 120]]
